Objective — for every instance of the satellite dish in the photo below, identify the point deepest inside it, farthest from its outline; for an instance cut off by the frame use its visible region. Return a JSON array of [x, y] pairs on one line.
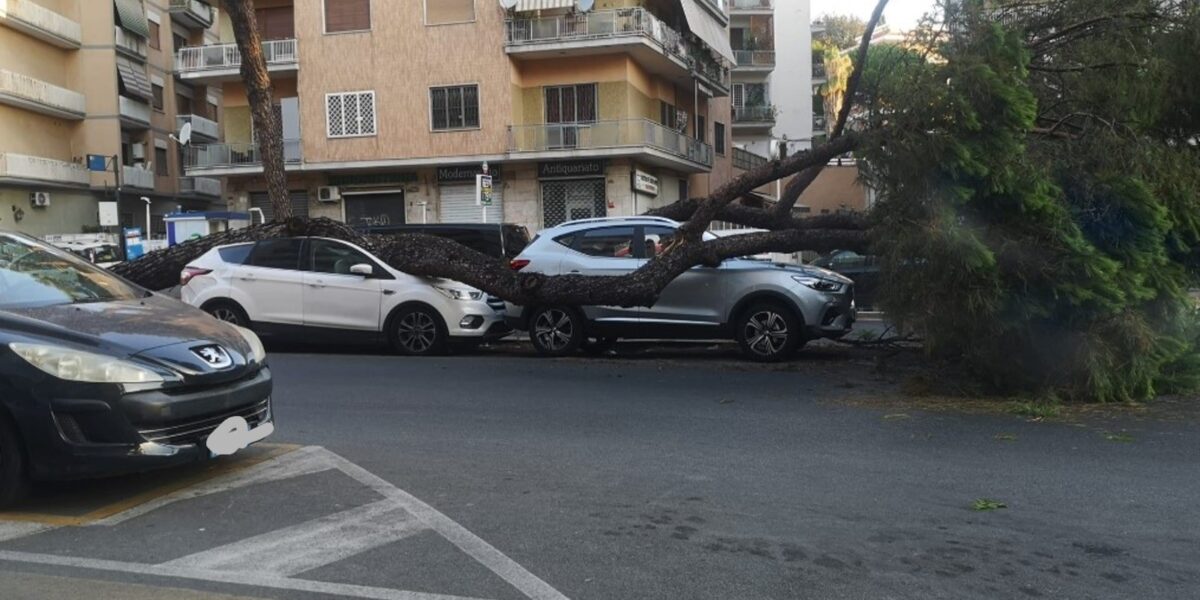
[[586, 5], [185, 134], [508, 4]]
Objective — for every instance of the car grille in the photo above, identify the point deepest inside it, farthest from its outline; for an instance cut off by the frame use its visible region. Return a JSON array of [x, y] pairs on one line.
[[196, 431], [495, 303]]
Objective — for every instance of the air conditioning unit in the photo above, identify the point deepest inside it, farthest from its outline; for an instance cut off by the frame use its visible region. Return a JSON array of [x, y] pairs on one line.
[[39, 199], [329, 194], [139, 151]]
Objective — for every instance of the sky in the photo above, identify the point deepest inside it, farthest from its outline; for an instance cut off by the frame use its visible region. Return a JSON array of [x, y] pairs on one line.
[[901, 14]]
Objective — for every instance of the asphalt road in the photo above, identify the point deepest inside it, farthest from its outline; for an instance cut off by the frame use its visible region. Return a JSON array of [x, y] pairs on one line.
[[669, 476]]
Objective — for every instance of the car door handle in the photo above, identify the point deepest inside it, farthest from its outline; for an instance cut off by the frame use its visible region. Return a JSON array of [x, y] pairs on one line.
[[316, 284], [574, 271], [388, 292]]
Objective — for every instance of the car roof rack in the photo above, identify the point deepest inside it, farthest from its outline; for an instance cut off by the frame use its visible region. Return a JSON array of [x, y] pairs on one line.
[[650, 218]]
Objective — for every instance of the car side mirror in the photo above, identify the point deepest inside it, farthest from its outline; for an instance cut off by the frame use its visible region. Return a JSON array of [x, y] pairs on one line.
[[362, 269]]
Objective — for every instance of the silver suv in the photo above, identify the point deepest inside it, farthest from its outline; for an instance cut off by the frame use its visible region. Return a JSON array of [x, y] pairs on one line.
[[770, 309]]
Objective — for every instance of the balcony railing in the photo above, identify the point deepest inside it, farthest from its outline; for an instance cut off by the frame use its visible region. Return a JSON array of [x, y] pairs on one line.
[[130, 43], [819, 123], [137, 177], [201, 186], [704, 66], [41, 22], [627, 133], [752, 5], [226, 57], [35, 94], [21, 166], [755, 58], [754, 114], [133, 110], [192, 13], [201, 127], [598, 25], [747, 160], [234, 155]]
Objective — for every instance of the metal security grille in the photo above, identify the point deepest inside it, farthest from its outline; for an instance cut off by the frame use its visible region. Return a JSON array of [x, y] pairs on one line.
[[350, 114], [299, 205], [570, 200]]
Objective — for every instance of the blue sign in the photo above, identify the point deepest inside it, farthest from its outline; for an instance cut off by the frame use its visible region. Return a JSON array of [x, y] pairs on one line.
[[133, 243], [97, 162]]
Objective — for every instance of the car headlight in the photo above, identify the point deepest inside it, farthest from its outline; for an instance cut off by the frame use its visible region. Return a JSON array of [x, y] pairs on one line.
[[76, 365], [258, 352], [459, 293], [817, 283]]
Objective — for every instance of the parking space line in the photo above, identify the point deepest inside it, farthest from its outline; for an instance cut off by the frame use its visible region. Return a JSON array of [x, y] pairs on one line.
[[299, 548], [484, 553], [248, 579], [125, 504]]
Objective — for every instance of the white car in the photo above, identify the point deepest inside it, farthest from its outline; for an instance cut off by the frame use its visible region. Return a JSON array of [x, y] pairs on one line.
[[325, 289]]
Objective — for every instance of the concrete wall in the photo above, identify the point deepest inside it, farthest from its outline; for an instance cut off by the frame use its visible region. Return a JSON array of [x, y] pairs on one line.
[[836, 188], [69, 212], [791, 81]]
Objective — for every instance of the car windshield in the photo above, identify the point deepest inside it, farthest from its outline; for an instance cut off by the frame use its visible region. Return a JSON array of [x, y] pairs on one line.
[[33, 275]]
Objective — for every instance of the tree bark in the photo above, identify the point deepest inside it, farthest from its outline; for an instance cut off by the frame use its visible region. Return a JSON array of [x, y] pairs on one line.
[[269, 131]]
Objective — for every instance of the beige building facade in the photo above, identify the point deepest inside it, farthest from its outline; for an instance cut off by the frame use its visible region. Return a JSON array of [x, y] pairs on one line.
[[390, 109], [82, 78]]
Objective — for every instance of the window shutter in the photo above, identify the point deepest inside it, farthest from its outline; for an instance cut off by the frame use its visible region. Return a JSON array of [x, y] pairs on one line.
[[347, 15], [335, 116], [366, 113], [449, 11], [739, 95]]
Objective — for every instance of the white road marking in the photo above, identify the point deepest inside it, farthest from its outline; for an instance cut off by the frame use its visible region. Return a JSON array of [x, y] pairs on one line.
[[267, 560], [483, 552], [11, 530], [299, 548], [255, 580], [305, 461]]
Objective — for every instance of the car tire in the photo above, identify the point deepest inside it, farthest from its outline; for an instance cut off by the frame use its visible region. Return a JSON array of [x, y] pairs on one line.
[[768, 332], [14, 478], [556, 331], [229, 312], [599, 346], [418, 331]]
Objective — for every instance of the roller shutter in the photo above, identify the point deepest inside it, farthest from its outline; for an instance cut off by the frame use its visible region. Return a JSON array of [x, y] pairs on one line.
[[458, 204]]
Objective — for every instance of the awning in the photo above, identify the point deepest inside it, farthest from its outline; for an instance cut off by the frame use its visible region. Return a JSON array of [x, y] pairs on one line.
[[532, 5], [133, 77], [706, 27], [131, 17]]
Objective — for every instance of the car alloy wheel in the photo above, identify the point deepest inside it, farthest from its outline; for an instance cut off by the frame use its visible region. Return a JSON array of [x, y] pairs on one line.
[[417, 332], [766, 332], [225, 313], [556, 331]]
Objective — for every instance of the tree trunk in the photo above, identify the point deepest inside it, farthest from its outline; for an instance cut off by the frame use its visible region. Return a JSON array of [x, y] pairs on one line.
[[268, 130]]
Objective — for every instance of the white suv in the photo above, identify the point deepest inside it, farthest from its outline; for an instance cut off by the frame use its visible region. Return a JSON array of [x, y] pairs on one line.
[[770, 309], [319, 288]]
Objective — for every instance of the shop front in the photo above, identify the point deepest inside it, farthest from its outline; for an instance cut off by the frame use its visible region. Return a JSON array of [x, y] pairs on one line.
[[457, 200], [572, 190]]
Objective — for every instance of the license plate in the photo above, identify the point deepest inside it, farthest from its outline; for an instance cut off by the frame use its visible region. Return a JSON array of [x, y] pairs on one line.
[[234, 434]]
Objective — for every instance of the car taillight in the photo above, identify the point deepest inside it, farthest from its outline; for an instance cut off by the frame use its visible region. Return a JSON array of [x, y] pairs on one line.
[[190, 272], [518, 263]]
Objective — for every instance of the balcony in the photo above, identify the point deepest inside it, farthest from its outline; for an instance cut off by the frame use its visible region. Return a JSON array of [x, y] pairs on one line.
[[200, 186], [40, 22], [36, 95], [222, 62], [202, 128], [641, 138], [755, 60], [819, 74], [134, 113], [192, 14], [752, 7], [35, 169], [235, 158], [137, 177], [753, 117], [130, 44], [747, 160]]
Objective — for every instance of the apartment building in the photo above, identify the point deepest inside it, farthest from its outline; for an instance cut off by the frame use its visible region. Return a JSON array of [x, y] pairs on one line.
[[95, 77], [390, 109]]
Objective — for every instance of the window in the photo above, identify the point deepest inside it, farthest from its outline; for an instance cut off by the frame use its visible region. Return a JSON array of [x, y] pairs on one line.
[[668, 116], [154, 35], [277, 23], [444, 12], [608, 242], [179, 41], [701, 128], [455, 107], [213, 112], [347, 15], [683, 189], [183, 104], [350, 114], [161, 168], [336, 257], [738, 38], [719, 137], [157, 90], [277, 254], [656, 240], [235, 255]]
